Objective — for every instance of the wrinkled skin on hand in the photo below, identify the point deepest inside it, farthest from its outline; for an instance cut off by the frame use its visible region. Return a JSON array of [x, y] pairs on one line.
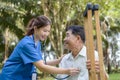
[[97, 68]]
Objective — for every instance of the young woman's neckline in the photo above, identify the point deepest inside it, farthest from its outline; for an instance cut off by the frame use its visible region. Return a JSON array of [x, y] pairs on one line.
[[33, 38]]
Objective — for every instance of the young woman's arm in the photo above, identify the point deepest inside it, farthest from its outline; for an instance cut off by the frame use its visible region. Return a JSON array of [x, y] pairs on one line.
[[54, 70], [53, 62]]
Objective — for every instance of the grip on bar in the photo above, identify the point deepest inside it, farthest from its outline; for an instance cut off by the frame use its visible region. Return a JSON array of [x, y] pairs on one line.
[[88, 7], [95, 7]]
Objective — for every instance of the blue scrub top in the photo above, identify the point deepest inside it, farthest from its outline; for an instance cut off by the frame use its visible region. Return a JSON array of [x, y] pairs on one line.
[[19, 66]]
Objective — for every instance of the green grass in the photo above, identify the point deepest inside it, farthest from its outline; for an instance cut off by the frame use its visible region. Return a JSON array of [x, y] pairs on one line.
[[114, 76]]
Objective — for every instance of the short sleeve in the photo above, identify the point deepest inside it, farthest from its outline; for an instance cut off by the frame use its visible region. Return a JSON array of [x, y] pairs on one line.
[[30, 54]]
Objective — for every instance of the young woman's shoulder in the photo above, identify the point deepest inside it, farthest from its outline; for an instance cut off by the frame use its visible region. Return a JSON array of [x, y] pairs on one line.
[[26, 40]]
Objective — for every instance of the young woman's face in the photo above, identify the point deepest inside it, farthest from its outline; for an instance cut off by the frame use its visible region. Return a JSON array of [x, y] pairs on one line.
[[43, 32]]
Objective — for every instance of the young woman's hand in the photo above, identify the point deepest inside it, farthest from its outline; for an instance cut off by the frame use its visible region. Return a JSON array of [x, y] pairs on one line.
[[73, 71]]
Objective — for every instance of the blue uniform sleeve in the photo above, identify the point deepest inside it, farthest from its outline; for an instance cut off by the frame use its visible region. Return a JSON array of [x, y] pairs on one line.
[[30, 54]]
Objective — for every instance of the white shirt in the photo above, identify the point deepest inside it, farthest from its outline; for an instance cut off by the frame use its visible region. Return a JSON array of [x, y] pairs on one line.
[[79, 62]]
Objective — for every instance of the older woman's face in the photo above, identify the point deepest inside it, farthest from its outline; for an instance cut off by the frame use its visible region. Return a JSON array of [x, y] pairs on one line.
[[43, 32], [70, 40]]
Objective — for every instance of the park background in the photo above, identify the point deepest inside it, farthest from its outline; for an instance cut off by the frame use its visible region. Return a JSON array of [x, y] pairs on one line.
[[15, 14]]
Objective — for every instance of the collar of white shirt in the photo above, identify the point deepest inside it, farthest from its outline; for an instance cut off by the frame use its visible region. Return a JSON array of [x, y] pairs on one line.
[[81, 53]]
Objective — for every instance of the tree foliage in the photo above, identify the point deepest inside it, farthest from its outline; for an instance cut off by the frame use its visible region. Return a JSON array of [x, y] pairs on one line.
[[15, 14]]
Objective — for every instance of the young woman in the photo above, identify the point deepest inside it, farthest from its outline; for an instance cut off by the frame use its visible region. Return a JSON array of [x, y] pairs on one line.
[[27, 54]]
